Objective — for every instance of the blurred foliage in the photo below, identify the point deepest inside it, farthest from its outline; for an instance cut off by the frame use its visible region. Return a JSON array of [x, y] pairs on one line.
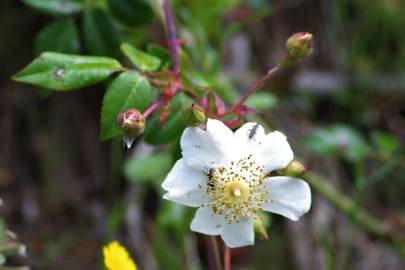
[[143, 168], [338, 140], [373, 31], [262, 101]]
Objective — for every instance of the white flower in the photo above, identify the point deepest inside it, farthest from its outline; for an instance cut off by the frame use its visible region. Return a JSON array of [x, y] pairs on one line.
[[227, 175]]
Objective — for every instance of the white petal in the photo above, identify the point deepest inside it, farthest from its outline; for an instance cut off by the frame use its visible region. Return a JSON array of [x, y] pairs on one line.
[[249, 138], [207, 149], [238, 234], [290, 197], [206, 222], [192, 198], [185, 185], [275, 153]]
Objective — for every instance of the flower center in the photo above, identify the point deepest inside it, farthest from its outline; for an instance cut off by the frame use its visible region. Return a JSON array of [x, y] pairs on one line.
[[237, 191]]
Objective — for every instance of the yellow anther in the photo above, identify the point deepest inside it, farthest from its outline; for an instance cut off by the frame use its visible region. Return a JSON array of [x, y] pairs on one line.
[[237, 191]]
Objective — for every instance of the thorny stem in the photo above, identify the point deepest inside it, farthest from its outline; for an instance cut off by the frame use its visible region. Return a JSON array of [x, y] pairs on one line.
[[227, 258]]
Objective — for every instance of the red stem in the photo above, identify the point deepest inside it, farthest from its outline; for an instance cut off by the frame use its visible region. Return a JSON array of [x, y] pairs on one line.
[[153, 108], [227, 258], [259, 83], [174, 48], [171, 38]]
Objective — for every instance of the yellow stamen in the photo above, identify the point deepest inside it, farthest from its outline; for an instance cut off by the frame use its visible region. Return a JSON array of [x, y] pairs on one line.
[[237, 191]]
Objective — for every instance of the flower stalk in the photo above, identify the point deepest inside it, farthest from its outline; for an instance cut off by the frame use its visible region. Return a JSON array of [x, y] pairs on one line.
[[227, 258], [173, 44], [215, 250], [298, 47], [153, 108], [172, 38], [255, 86]]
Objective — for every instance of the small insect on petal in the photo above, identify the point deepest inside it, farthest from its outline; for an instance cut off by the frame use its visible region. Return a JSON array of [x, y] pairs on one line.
[[253, 131]]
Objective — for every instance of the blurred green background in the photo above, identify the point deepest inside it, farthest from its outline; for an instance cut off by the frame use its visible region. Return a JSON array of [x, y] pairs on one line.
[[65, 194]]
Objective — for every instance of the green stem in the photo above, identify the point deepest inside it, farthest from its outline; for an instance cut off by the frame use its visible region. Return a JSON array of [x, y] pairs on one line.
[[358, 215], [359, 182]]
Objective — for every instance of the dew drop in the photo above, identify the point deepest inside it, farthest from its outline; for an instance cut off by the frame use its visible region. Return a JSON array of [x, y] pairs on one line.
[[128, 141]]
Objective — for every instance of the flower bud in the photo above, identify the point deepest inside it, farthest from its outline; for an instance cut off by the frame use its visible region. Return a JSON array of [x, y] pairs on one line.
[[260, 225], [194, 115], [299, 45], [132, 123], [295, 168]]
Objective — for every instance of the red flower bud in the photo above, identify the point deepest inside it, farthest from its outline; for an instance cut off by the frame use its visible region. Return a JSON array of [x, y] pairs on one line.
[[132, 123]]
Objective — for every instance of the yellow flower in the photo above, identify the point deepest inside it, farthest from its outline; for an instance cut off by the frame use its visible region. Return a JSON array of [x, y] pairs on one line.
[[117, 258]]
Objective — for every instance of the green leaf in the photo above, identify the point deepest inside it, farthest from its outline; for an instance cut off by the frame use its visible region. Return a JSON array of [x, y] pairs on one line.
[[60, 36], [56, 71], [56, 7], [338, 140], [101, 37], [261, 101], [129, 90], [141, 168], [160, 52], [132, 12], [142, 60], [385, 142], [155, 133]]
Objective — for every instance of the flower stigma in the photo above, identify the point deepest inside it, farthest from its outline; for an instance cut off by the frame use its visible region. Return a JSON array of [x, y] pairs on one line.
[[237, 190]]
